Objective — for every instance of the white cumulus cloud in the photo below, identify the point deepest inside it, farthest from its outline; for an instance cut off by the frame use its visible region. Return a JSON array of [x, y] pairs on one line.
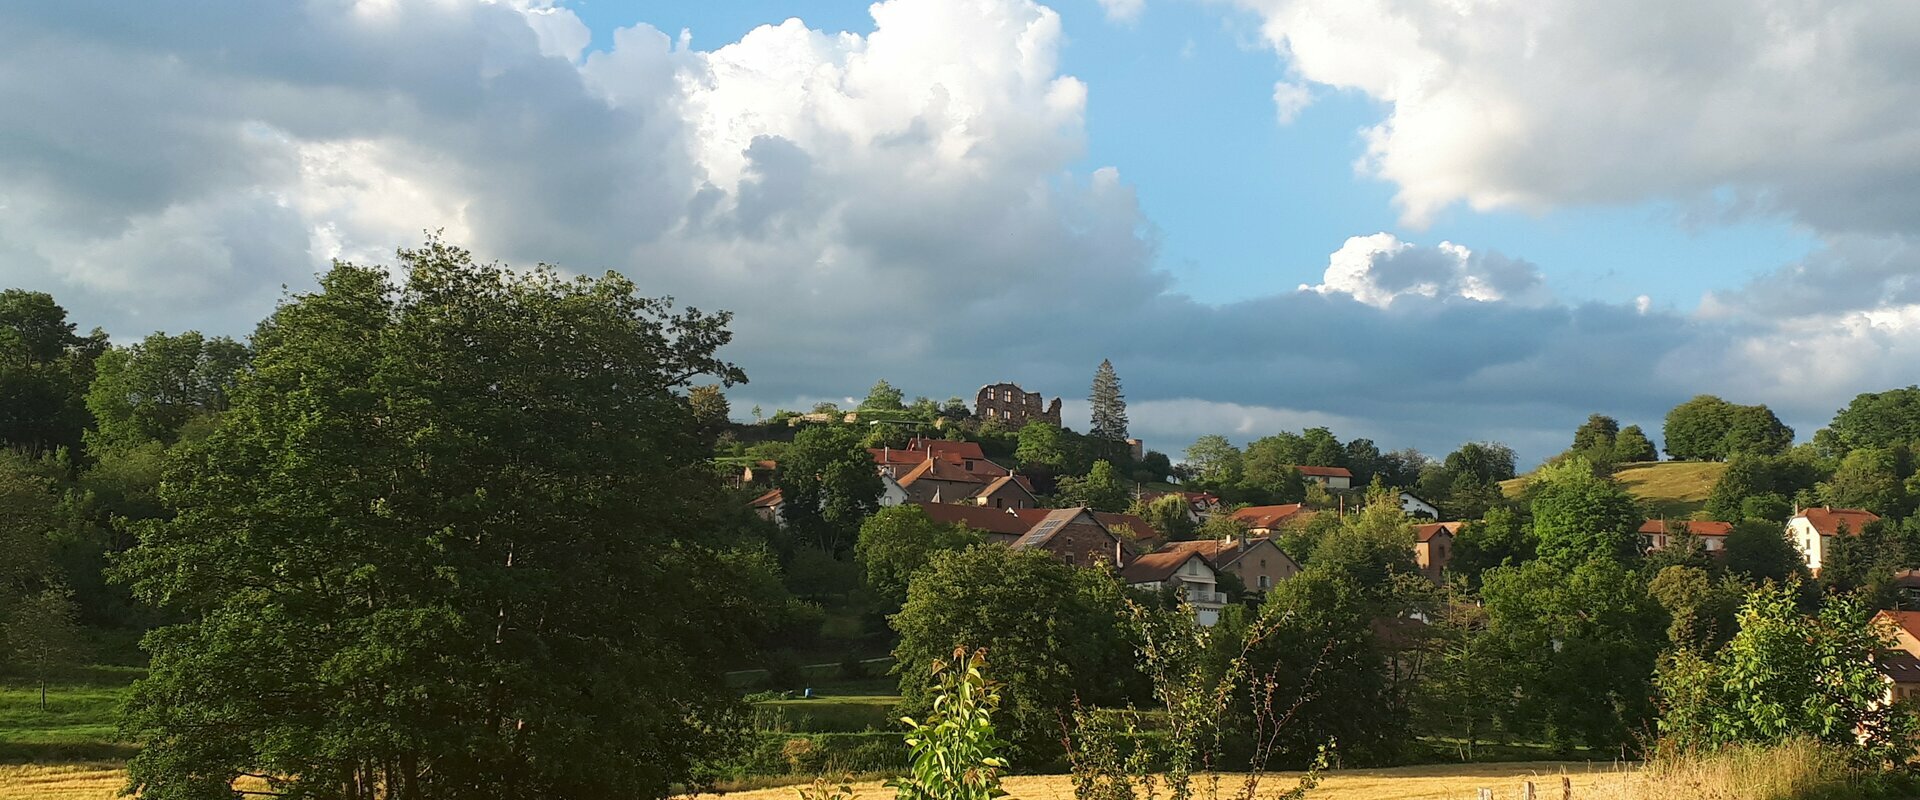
[[1801, 107], [1379, 269]]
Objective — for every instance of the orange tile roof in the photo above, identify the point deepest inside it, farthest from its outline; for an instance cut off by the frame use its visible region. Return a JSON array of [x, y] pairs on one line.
[[1425, 533], [1697, 527], [1326, 472], [1827, 521], [768, 500], [1269, 516], [1158, 565]]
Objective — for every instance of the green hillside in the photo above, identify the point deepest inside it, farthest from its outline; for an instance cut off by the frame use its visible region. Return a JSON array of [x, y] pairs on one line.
[[1673, 489]]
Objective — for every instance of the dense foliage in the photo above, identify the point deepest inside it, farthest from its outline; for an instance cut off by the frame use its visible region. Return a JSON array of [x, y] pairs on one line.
[[1789, 675], [1055, 634], [451, 540]]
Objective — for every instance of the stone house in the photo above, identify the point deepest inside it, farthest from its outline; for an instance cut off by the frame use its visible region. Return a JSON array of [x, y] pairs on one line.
[[1433, 548], [1013, 406], [1257, 562]]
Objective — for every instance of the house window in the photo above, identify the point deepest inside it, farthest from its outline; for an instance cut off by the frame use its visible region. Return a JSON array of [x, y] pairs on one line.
[[1265, 582]]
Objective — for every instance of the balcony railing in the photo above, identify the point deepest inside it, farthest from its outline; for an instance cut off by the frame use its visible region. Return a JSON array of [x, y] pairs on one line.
[[1199, 596]]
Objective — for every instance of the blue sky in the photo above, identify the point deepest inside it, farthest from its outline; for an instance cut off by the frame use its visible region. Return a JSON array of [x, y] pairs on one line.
[[1487, 221], [1180, 102]]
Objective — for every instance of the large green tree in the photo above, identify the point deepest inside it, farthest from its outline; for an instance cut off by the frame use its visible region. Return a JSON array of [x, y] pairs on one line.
[[1754, 430], [1054, 634], [1597, 433], [1697, 429], [896, 542], [453, 539], [1879, 419], [1578, 516], [1632, 445], [1500, 539], [1708, 428], [1042, 445], [1109, 405], [44, 371], [883, 397], [1214, 458], [1100, 489], [830, 486], [150, 390], [1758, 550], [1580, 643]]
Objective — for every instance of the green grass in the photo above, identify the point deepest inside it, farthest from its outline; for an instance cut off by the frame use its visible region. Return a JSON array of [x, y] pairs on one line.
[[1670, 489], [78, 723], [838, 713]]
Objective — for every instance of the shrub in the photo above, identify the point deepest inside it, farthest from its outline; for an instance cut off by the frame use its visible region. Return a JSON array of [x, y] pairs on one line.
[[955, 748]]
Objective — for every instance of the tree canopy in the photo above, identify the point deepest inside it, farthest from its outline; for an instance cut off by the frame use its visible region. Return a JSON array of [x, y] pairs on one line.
[[452, 539]]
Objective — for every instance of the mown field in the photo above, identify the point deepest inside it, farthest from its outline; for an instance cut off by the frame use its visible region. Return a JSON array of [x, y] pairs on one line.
[[102, 781], [1671, 489]]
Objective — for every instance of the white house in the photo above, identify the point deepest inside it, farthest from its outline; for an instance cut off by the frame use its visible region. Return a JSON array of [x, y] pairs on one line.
[[1812, 530], [1185, 570], [1328, 477], [1416, 507]]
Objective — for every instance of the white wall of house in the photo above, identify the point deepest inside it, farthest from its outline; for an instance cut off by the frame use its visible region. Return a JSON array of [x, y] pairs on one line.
[[1811, 544], [1414, 506], [891, 493]]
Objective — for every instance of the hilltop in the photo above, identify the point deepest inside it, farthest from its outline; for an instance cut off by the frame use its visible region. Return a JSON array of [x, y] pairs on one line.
[[1674, 489]]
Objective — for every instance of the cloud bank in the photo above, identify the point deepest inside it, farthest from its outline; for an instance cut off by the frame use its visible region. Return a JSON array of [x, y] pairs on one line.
[[906, 204]]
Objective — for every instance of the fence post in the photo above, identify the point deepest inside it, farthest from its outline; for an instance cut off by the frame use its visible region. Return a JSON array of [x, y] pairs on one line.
[[1486, 794], [1566, 788], [1528, 794]]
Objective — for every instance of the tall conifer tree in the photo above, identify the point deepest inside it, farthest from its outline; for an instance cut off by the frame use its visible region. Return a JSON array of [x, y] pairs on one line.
[[1109, 405]]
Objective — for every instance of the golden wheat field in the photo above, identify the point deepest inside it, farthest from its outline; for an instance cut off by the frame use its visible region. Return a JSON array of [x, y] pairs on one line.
[[1445, 782], [1780, 773], [101, 781]]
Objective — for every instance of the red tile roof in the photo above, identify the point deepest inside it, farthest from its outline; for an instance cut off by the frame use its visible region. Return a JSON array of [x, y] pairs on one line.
[[1326, 472], [947, 449], [1827, 521], [1158, 565], [935, 469], [979, 518], [1114, 522], [967, 458], [1268, 517], [1425, 533], [1697, 527]]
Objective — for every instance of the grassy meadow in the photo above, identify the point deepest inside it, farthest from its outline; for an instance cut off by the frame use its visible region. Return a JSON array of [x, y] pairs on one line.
[[1671, 489], [78, 722]]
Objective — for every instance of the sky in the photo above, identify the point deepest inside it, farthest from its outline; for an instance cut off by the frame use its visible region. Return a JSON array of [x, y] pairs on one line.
[[1422, 222]]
